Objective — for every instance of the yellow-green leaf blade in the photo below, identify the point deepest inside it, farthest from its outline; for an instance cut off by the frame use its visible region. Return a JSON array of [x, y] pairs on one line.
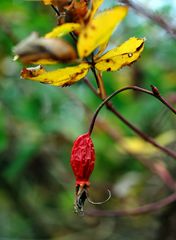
[[60, 77], [63, 30], [95, 6], [99, 29], [47, 2], [124, 55]]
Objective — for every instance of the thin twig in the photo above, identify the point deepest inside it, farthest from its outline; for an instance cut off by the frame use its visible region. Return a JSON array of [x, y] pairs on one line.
[[146, 209], [152, 16], [99, 81], [161, 99], [56, 10], [155, 93], [169, 152], [157, 167]]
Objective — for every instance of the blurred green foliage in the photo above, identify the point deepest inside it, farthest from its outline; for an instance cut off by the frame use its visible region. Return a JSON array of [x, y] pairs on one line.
[[38, 124]]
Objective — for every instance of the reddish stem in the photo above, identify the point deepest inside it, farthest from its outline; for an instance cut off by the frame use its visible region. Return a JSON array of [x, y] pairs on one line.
[[140, 133]]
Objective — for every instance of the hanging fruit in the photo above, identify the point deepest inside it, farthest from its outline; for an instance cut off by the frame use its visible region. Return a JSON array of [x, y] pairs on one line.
[[82, 162]]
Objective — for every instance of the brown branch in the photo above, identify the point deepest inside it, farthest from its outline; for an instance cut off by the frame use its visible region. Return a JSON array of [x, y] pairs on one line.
[[56, 10], [146, 209], [152, 16], [157, 167], [169, 152], [155, 93]]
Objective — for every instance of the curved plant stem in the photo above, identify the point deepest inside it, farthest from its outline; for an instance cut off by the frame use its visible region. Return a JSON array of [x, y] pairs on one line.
[[153, 93], [146, 209], [100, 84], [157, 167]]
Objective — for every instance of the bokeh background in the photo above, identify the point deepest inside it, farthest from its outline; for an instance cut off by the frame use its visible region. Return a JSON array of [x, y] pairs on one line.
[[38, 124]]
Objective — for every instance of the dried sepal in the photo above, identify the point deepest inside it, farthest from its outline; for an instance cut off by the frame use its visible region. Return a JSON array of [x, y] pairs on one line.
[[77, 11], [69, 10], [42, 50]]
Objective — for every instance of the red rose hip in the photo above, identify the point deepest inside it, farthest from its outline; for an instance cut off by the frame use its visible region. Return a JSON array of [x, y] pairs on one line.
[[83, 159], [82, 162]]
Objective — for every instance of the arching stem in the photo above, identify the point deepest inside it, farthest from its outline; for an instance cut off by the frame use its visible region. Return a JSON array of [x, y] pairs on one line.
[[154, 93]]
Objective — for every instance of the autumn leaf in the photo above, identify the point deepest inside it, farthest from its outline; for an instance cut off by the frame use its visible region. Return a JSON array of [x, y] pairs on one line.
[[58, 3], [38, 50], [124, 55], [139, 146], [63, 30], [95, 6], [92, 35], [48, 2], [60, 77], [99, 30]]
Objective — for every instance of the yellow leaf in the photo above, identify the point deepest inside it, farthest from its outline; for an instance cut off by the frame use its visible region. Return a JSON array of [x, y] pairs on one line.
[[47, 2], [44, 62], [99, 30], [139, 146], [95, 6], [57, 3], [63, 29], [60, 77], [124, 55]]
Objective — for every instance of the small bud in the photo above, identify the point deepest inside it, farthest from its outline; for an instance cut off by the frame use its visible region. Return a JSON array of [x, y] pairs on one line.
[[155, 91]]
